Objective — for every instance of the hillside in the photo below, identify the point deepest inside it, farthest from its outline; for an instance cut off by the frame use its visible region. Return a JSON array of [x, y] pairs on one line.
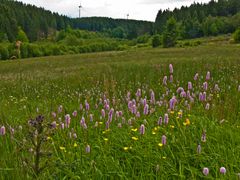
[[213, 18], [39, 23]]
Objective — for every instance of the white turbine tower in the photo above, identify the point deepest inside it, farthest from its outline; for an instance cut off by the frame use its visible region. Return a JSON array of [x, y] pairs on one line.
[[80, 7]]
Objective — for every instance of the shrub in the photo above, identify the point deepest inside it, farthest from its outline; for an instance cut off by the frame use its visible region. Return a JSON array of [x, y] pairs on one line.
[[34, 50], [24, 50], [156, 41], [4, 54], [236, 36]]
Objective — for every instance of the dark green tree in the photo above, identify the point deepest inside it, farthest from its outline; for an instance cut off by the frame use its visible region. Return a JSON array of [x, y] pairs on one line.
[[171, 33]]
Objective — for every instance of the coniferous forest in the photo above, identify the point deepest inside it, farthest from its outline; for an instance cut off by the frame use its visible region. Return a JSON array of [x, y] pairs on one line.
[[47, 33]]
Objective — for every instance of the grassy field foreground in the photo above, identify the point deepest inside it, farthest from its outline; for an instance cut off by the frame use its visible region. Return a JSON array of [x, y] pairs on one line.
[[122, 115]]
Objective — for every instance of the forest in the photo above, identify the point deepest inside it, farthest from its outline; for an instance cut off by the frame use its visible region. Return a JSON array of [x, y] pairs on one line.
[[45, 33]]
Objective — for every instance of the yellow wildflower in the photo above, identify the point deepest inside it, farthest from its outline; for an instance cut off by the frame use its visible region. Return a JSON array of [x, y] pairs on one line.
[[187, 121], [125, 148], [134, 130], [75, 145], [180, 113], [105, 139], [134, 138], [153, 132], [171, 112], [100, 122], [172, 126], [160, 144], [62, 148], [49, 138]]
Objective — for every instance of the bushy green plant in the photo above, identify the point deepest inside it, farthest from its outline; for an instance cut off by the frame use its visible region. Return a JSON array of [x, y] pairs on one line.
[[4, 54], [156, 40], [236, 36]]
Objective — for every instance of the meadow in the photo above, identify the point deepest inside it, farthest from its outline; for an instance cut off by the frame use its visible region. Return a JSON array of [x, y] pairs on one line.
[[138, 114]]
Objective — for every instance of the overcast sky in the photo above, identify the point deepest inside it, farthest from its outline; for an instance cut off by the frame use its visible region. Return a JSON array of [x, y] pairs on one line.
[[137, 9]]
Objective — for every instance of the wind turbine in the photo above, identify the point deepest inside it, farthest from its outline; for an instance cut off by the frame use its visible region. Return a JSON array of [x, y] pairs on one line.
[[80, 7]]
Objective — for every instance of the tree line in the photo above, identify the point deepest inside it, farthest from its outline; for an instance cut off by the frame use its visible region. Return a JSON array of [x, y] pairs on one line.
[[39, 23], [213, 18]]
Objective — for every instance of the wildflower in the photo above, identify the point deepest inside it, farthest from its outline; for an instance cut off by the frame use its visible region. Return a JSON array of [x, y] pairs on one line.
[[105, 139], [164, 140], [223, 170], [187, 122], [62, 125], [204, 136], [75, 145], [183, 94], [152, 97], [205, 171], [54, 115], [138, 114], [159, 121], [165, 80], [166, 119], [171, 78], [67, 120], [62, 148], [49, 138], [107, 124], [216, 87], [60, 108], [199, 148], [138, 94], [74, 113], [180, 113], [153, 132], [207, 107], [172, 102], [119, 125], [87, 106], [145, 111], [88, 149], [205, 86], [80, 107], [91, 117], [134, 138], [53, 124], [172, 126], [160, 144], [125, 148], [171, 68], [208, 76], [196, 77], [142, 129], [239, 88], [12, 130], [179, 90], [103, 113], [134, 130], [189, 85], [134, 109], [74, 135], [3, 131]]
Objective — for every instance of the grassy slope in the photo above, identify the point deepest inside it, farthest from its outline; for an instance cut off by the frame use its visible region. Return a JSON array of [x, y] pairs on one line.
[[48, 82]]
